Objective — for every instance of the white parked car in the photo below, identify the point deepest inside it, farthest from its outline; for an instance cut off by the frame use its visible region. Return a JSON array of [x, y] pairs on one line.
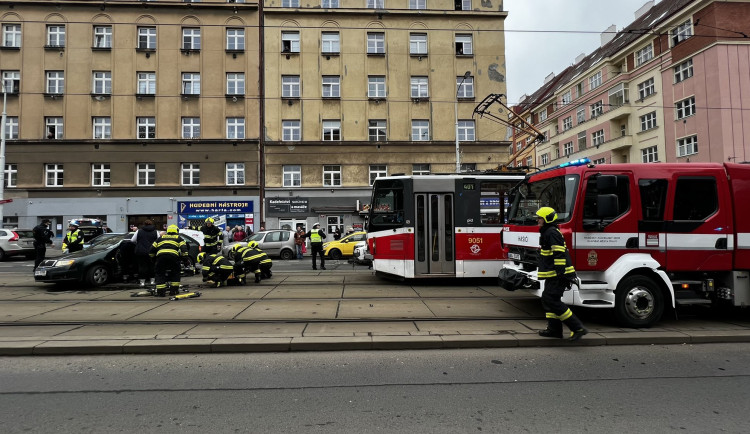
[[362, 254]]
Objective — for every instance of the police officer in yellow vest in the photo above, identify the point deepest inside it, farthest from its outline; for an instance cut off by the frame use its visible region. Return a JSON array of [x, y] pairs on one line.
[[316, 236], [557, 273], [73, 240], [168, 251]]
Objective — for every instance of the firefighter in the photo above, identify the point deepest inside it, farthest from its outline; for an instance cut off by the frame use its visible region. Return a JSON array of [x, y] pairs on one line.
[[211, 236], [265, 262], [246, 260], [73, 240], [216, 269], [557, 273], [168, 251]]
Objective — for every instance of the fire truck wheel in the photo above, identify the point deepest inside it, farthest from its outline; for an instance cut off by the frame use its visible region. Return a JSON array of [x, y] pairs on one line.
[[639, 302]]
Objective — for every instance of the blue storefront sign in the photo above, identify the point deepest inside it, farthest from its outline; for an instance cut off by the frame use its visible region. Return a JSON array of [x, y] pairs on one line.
[[215, 207]]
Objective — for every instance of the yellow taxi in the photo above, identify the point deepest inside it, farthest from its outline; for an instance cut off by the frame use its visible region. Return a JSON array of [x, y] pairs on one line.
[[343, 247]]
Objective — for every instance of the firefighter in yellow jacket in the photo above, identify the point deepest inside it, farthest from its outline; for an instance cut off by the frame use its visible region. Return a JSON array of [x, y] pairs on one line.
[[557, 273], [216, 269], [168, 251]]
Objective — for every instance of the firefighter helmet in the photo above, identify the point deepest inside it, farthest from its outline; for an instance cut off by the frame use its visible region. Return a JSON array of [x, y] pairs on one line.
[[547, 214], [201, 255], [253, 244], [236, 247], [172, 229], [209, 220]]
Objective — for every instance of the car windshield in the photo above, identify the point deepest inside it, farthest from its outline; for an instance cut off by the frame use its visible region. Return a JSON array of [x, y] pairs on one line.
[[255, 237], [558, 193]]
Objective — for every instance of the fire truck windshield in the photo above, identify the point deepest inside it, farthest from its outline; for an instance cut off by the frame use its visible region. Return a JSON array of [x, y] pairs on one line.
[[558, 193]]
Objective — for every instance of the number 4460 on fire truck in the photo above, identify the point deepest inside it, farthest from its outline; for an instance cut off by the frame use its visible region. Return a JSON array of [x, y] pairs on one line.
[[643, 237]]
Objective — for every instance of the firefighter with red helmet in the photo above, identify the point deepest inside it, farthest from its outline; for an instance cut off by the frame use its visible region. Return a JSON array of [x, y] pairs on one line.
[[557, 273]]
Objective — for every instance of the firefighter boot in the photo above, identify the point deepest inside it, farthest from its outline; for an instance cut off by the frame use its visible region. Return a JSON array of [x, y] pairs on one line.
[[577, 330], [553, 330], [257, 277]]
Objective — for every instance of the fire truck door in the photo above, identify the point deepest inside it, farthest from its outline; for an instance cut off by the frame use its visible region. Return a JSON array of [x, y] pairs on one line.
[[433, 235]]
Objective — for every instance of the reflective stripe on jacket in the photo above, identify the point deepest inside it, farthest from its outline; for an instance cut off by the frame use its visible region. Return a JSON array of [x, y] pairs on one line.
[[554, 259]]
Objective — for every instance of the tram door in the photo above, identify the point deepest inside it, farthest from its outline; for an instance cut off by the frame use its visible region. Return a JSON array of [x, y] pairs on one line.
[[434, 250]]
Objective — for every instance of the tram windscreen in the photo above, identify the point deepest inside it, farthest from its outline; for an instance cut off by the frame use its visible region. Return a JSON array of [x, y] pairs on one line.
[[387, 207]]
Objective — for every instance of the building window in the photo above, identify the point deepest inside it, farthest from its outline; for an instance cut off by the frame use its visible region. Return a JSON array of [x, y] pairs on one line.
[[543, 115], [597, 138], [332, 176], [146, 127], [100, 175], [418, 44], [147, 38], [464, 45], [235, 128], [102, 127], [191, 128], [290, 42], [597, 109], [582, 140], [146, 83], [581, 115], [646, 88], [102, 83], [291, 131], [191, 83], [11, 127], [557, 151], [12, 35], [649, 155], [687, 146], [102, 36], [648, 121], [471, 167], [681, 32], [235, 173], [375, 86], [618, 95], [644, 55], [419, 87], [191, 174], [55, 36], [567, 123], [330, 4], [420, 169], [330, 42], [568, 148], [420, 130], [566, 98], [545, 159], [376, 4], [464, 87], [685, 108], [292, 175], [595, 80], [331, 86], [579, 89], [290, 86], [331, 130], [289, 3], [53, 174], [462, 5], [235, 83], [146, 173], [54, 126], [600, 161], [55, 82], [683, 71], [236, 39], [11, 82], [376, 43], [466, 131], [191, 38], [11, 175], [376, 130], [377, 171]]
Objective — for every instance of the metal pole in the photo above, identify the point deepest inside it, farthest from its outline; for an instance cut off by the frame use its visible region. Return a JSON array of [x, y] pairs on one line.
[[2, 154], [467, 74]]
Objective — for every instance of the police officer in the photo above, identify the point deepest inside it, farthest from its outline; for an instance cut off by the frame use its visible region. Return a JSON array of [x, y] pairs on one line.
[[211, 236], [216, 269], [168, 251], [557, 273], [42, 238], [316, 236], [73, 240]]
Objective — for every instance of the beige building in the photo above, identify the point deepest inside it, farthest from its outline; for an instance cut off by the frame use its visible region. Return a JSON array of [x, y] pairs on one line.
[[123, 110]]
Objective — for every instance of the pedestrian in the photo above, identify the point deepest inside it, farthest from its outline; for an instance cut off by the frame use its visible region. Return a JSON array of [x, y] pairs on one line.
[[299, 241], [316, 236], [144, 238], [239, 234], [42, 239], [211, 234], [168, 251], [349, 230], [337, 234], [73, 241], [557, 274]]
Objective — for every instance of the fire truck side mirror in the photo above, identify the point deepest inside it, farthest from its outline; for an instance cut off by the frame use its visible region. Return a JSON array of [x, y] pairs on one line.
[[607, 205], [606, 184]]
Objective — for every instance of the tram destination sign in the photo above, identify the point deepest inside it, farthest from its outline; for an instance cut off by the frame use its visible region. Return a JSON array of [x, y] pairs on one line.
[[277, 205]]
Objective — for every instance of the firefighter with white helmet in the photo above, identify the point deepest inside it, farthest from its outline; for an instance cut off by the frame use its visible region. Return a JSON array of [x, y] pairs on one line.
[[557, 273]]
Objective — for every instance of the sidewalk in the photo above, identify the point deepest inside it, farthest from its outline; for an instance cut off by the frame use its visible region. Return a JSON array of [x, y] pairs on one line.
[[339, 310]]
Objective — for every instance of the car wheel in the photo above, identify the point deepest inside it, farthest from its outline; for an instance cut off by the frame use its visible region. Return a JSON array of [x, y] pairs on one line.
[[286, 254], [97, 275], [639, 302], [188, 267], [335, 254], [3, 256]]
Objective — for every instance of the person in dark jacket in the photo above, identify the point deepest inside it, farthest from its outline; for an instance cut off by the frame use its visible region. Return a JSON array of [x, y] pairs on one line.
[[216, 269], [168, 251], [211, 237], [557, 274], [42, 239], [337, 234], [316, 236], [144, 238]]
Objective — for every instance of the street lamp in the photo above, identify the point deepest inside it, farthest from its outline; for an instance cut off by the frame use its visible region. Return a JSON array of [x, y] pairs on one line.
[[467, 74]]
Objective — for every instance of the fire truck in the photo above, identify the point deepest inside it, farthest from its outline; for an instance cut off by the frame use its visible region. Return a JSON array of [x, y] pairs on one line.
[[644, 238]]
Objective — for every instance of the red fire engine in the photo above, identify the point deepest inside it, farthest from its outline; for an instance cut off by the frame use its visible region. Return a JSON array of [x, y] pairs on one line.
[[643, 237]]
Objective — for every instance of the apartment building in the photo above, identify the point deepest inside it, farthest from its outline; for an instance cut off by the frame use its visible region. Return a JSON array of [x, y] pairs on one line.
[[127, 110], [667, 88]]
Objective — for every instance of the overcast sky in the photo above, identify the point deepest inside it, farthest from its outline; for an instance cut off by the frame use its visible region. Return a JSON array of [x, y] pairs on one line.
[[531, 56]]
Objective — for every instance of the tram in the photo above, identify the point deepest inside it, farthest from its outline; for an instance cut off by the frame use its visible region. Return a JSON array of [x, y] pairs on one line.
[[439, 226]]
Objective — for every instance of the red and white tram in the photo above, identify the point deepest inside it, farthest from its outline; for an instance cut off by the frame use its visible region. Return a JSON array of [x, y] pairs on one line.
[[445, 226]]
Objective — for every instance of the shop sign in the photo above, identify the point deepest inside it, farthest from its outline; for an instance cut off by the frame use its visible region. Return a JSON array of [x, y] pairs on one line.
[[297, 205], [215, 206]]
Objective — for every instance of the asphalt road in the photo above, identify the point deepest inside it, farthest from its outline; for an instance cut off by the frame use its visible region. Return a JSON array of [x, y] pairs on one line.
[[692, 389]]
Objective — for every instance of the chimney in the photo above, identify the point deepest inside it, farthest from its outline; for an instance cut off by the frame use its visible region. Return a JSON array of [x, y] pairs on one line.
[[549, 77], [645, 8], [579, 58], [608, 34]]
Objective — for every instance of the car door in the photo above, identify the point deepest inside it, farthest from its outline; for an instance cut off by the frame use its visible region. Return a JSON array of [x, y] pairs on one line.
[[272, 243]]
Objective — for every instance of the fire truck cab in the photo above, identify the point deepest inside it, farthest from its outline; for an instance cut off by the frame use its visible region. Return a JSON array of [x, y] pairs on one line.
[[643, 237]]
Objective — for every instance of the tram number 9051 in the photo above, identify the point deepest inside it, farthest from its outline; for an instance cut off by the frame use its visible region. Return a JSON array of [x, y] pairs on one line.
[[475, 240]]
